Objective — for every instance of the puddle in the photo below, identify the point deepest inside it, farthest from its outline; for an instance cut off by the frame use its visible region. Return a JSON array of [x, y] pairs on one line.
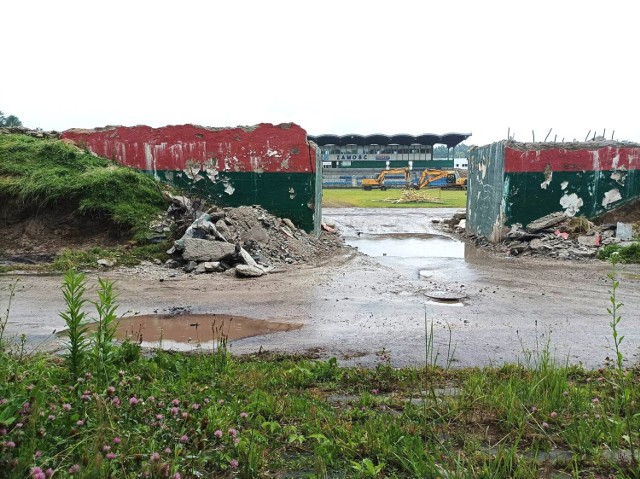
[[189, 331], [404, 239], [408, 245]]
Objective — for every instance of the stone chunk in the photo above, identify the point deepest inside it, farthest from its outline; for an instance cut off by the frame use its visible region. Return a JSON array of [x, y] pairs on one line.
[[624, 231], [546, 221], [204, 250], [246, 271], [592, 241]]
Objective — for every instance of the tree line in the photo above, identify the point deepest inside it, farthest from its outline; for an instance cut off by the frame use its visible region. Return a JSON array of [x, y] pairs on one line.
[[9, 121]]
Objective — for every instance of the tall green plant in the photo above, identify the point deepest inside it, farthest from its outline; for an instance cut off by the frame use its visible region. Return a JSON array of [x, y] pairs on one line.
[[103, 349], [614, 311], [73, 288], [4, 319]]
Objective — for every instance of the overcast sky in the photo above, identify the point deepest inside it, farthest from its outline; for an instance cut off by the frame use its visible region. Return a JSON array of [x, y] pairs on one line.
[[330, 66]]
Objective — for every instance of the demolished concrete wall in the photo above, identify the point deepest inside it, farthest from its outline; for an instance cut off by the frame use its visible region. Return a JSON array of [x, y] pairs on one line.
[[268, 165], [511, 182], [485, 193]]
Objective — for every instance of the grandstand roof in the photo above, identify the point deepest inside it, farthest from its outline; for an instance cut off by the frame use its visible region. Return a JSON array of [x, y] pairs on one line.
[[449, 139]]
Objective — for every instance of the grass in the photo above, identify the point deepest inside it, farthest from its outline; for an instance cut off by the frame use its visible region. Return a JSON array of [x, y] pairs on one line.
[[49, 172], [130, 415], [624, 254], [358, 198]]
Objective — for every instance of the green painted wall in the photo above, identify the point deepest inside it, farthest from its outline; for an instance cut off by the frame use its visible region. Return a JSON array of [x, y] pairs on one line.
[[528, 201], [287, 195], [417, 165]]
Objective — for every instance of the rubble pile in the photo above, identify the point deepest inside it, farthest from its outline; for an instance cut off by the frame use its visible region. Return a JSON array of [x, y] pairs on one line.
[[246, 241], [556, 235]]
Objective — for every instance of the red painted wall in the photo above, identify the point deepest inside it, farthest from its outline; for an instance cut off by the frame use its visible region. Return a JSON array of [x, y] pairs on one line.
[[262, 148], [599, 159]]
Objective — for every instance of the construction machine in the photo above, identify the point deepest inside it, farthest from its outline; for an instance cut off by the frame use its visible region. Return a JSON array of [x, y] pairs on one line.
[[452, 178], [370, 183]]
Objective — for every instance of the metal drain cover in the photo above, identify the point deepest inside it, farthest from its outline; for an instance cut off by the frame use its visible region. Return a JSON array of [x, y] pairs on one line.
[[445, 295]]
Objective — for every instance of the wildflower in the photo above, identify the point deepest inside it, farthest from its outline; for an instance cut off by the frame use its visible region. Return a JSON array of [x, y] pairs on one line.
[[159, 417], [106, 448], [184, 438], [85, 397], [233, 463], [151, 399], [236, 441], [3, 431], [51, 417], [184, 415], [177, 475], [206, 400], [133, 400], [221, 401], [66, 407], [565, 393], [88, 375], [218, 434], [553, 414], [233, 432], [155, 457], [167, 450], [111, 456], [195, 406], [80, 422], [3, 401], [38, 454], [545, 425], [534, 410], [121, 373], [75, 468], [117, 440], [174, 411], [26, 406], [374, 391], [175, 402], [48, 472], [111, 390], [30, 388], [244, 415], [19, 425], [10, 444], [595, 400], [36, 473], [166, 470]]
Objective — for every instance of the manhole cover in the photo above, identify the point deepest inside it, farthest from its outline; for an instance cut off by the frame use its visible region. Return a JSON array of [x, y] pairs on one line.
[[445, 295]]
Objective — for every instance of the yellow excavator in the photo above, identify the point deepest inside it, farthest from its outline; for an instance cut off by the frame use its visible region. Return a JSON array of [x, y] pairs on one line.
[[370, 183], [452, 177]]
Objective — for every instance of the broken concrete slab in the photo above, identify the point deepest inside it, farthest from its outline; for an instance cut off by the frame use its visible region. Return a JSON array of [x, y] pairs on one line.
[[592, 241], [546, 221], [624, 231], [211, 266], [246, 271], [204, 250], [247, 258]]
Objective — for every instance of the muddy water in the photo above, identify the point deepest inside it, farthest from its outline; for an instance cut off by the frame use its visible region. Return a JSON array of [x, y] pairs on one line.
[[190, 331], [405, 239]]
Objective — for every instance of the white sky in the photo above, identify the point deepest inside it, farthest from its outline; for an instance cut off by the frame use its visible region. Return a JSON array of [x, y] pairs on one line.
[[330, 66]]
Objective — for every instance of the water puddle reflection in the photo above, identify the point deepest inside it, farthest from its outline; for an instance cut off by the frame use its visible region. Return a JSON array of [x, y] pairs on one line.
[[188, 331]]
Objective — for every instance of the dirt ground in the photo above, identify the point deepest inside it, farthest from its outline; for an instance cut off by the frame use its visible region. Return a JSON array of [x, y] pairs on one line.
[[357, 308]]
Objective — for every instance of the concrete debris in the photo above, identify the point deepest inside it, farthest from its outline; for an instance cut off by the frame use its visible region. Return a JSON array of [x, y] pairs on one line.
[[624, 231], [546, 222], [246, 241], [106, 263], [556, 235]]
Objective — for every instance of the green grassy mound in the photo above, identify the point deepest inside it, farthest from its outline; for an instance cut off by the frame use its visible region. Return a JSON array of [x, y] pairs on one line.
[[50, 172]]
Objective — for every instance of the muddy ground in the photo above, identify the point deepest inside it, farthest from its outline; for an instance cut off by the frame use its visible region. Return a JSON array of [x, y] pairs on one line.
[[355, 306]]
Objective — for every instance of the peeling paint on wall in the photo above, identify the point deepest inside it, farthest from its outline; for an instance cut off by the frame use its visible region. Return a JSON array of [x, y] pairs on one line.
[[232, 166], [548, 176], [580, 178], [571, 203], [611, 196]]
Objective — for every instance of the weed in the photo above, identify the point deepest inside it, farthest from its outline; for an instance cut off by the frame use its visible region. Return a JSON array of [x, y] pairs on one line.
[[624, 254], [73, 289], [4, 319]]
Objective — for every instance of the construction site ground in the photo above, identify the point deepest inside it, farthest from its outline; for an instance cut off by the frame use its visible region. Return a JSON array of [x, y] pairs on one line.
[[363, 308]]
